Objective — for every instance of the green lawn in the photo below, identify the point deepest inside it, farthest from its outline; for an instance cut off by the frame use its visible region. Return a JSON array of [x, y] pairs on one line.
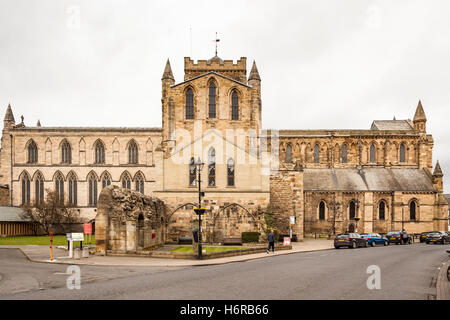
[[208, 249], [38, 240]]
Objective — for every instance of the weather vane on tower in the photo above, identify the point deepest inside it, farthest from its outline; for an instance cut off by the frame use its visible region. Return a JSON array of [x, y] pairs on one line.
[[217, 40]]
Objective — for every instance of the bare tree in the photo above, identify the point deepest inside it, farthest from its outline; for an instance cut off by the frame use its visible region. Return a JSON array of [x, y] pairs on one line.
[[51, 212]]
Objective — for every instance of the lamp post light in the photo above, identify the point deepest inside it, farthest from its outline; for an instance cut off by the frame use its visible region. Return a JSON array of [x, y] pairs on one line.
[[199, 210]]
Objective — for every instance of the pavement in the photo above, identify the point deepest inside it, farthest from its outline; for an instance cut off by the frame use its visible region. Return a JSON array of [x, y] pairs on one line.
[[443, 283], [39, 253]]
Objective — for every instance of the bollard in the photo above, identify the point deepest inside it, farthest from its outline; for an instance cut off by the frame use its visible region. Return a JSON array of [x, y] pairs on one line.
[[77, 253], [85, 252]]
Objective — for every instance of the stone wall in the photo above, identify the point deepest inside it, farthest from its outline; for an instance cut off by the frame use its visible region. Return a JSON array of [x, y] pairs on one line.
[[4, 196], [128, 221]]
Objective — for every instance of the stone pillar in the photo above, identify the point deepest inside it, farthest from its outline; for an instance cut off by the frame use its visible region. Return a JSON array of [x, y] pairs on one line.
[[131, 236], [101, 231], [367, 213]]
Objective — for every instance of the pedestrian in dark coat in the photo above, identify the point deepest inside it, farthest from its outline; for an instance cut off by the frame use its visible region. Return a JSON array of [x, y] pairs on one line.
[[271, 239]]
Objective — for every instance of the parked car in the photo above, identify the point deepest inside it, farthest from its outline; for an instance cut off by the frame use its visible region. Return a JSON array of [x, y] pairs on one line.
[[396, 237], [438, 237], [423, 237], [375, 238], [350, 240]]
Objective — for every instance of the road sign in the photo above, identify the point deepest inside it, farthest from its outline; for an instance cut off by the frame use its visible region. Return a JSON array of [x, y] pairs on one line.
[[87, 228], [292, 220], [287, 241], [77, 236]]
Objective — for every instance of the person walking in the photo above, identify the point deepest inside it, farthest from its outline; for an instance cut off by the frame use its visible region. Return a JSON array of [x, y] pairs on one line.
[[271, 239], [404, 236]]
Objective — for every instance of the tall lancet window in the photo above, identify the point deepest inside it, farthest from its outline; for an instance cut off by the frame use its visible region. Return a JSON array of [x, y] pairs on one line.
[[211, 167], [32, 152], [99, 152], [402, 152], [39, 188], [189, 104], [192, 172], [92, 190], [288, 153], [66, 153], [72, 179], [139, 180], [106, 180], [230, 172], [372, 154], [25, 189], [234, 106], [133, 152], [316, 153], [126, 181], [212, 100], [59, 187], [344, 153]]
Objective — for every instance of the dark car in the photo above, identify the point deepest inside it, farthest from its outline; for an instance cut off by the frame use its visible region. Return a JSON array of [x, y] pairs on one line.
[[438, 237], [397, 237], [375, 238], [423, 237], [350, 240]]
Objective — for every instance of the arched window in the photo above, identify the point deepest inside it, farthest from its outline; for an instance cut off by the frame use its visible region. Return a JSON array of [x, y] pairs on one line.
[[99, 152], [382, 210], [212, 100], [132, 152], [106, 180], [192, 172], [372, 153], [73, 190], [322, 210], [66, 153], [39, 189], [59, 187], [288, 153], [402, 152], [211, 167], [344, 153], [352, 210], [316, 153], [25, 189], [412, 210], [92, 190], [139, 181], [230, 172], [234, 106], [32, 152], [189, 104], [126, 181]]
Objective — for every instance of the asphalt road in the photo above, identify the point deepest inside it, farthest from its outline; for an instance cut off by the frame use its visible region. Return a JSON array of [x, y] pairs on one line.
[[406, 272]]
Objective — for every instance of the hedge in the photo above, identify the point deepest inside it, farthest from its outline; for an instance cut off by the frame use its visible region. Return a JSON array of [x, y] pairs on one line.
[[250, 237]]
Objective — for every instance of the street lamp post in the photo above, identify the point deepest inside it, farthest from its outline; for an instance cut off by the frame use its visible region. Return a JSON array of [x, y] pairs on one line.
[[199, 210], [357, 214]]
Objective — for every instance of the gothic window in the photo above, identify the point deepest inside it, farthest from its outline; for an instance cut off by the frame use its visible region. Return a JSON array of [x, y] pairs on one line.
[[99, 152], [211, 167], [212, 100], [39, 188], [192, 172], [92, 190], [32, 152], [412, 210], [322, 210], [139, 181], [234, 106], [344, 153], [402, 153], [106, 180], [132, 152], [126, 181], [25, 189], [372, 154], [189, 104], [288, 153], [316, 153], [66, 153], [382, 210], [230, 172], [352, 210], [72, 189], [59, 187]]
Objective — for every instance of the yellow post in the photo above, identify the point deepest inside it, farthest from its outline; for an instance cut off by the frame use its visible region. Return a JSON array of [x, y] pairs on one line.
[[51, 246]]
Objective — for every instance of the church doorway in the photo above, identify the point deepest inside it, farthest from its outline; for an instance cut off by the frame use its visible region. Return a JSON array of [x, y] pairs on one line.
[[351, 228], [140, 231]]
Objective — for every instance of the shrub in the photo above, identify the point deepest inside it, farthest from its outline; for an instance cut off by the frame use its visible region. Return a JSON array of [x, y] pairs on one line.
[[250, 237]]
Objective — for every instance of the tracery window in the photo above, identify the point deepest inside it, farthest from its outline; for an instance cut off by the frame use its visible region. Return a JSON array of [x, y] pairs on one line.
[[126, 181], [39, 189], [66, 153], [73, 189], [106, 180], [59, 187], [32, 152], [132, 152], [92, 190], [25, 189], [99, 152], [288, 153], [139, 181]]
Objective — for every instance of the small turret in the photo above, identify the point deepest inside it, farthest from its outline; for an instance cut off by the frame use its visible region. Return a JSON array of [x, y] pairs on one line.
[[38, 124], [437, 178], [168, 75], [420, 120], [254, 74], [9, 120]]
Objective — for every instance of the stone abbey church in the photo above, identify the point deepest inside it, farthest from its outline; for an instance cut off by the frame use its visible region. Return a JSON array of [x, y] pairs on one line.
[[373, 180]]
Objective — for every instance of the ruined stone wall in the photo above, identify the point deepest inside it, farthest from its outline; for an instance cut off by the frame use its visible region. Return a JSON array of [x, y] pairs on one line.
[[128, 221]]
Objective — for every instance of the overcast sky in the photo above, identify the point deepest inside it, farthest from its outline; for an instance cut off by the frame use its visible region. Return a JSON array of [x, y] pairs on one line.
[[324, 64]]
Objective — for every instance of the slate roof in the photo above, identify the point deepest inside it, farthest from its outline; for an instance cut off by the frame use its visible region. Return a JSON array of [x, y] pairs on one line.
[[10, 214], [367, 179], [391, 125]]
